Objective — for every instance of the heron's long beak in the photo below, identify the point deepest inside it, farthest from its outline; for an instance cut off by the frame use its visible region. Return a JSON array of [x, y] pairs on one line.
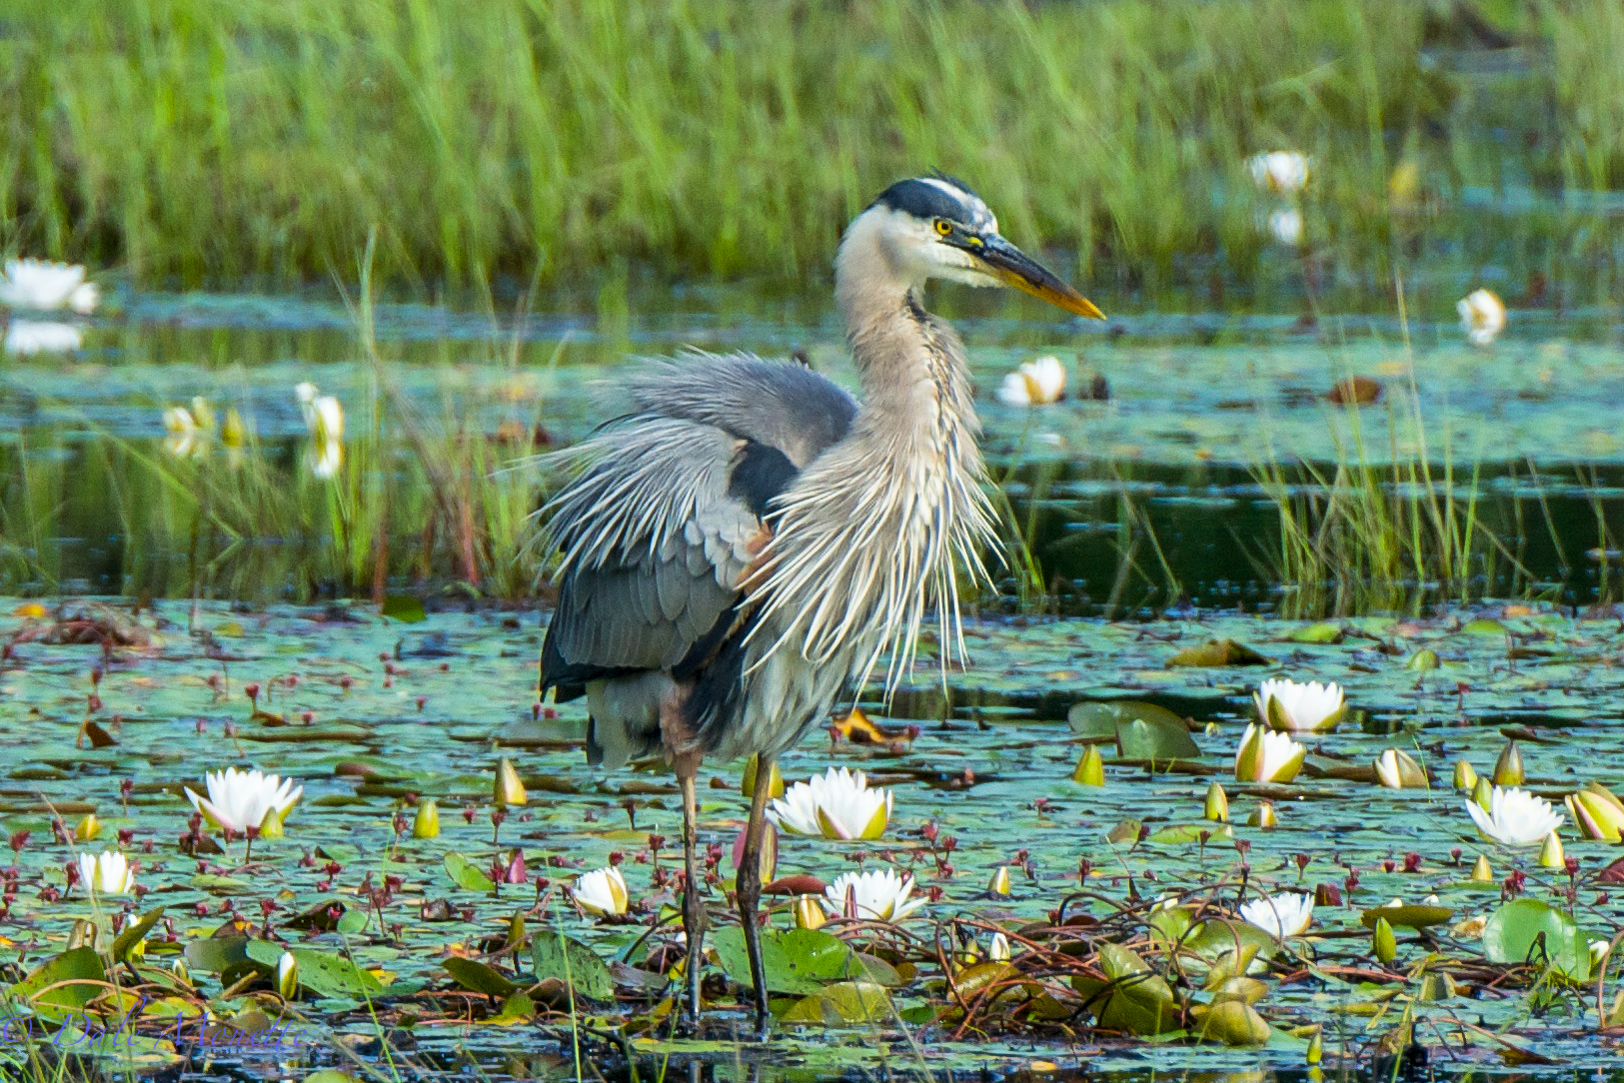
[[1009, 264]]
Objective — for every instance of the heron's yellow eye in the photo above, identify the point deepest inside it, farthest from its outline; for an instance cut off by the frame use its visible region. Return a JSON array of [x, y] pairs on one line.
[[943, 226]]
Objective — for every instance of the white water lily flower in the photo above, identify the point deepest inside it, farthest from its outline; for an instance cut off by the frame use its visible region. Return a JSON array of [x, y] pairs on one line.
[[1483, 315], [1300, 708], [1265, 756], [601, 892], [28, 337], [1515, 817], [1035, 383], [837, 804], [324, 417], [1283, 171], [43, 286], [106, 874], [1279, 915], [1286, 226], [876, 895], [239, 800]]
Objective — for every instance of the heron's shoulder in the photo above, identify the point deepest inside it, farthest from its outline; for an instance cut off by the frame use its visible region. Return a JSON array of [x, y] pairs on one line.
[[779, 404]]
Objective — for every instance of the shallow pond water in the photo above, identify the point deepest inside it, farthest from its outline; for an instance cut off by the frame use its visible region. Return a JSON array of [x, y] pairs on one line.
[[372, 715], [1156, 502], [1167, 489]]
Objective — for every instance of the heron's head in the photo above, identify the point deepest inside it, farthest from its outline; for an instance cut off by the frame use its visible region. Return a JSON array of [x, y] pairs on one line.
[[937, 227]]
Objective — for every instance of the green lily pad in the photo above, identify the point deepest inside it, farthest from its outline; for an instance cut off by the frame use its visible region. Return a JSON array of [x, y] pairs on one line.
[[476, 976], [572, 963], [1415, 916], [465, 874], [1217, 652], [797, 961], [68, 981], [1532, 932]]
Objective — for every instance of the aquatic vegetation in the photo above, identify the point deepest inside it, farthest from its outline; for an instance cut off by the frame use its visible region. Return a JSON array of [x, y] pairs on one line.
[[1283, 915], [1059, 917], [324, 418], [44, 286], [1267, 756], [1398, 770], [1482, 316], [239, 801], [838, 804], [1596, 812], [1300, 707], [106, 873], [874, 895], [1514, 817], [601, 892], [1035, 383], [1284, 172]]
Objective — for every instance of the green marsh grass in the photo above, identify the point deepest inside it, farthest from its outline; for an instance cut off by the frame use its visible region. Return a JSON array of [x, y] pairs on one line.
[[1393, 525], [582, 141]]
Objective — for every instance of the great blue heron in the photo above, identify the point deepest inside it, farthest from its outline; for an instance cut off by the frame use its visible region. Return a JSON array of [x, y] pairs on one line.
[[746, 540]]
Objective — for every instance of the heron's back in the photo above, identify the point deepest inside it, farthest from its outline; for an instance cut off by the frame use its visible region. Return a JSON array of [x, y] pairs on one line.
[[658, 535]]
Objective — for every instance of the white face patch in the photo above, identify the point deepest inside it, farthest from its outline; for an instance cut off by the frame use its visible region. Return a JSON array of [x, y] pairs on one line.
[[980, 216]]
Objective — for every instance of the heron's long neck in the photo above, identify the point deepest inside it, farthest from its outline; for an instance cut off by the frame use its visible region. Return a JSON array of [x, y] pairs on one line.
[[915, 381]]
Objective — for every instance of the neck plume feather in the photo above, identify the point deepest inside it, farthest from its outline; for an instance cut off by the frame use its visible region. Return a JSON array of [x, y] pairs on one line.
[[872, 533]]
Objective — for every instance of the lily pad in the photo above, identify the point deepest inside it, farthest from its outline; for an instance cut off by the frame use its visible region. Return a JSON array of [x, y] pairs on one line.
[[1532, 932], [572, 963]]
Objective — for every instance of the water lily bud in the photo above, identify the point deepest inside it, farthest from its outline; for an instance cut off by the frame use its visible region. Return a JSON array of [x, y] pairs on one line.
[[1465, 776], [1551, 855], [998, 949], [507, 789], [808, 914], [270, 826], [1482, 794], [87, 828], [202, 412], [233, 432], [426, 823], [1263, 816], [1316, 1048], [1598, 814], [1423, 659], [287, 975], [1091, 768], [1383, 942], [1598, 952], [1432, 987], [775, 781], [999, 884], [1217, 807], [1482, 872], [1397, 770], [178, 968], [1508, 769]]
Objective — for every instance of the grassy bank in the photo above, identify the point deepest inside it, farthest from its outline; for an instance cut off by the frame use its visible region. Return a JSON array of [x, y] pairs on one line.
[[198, 141]]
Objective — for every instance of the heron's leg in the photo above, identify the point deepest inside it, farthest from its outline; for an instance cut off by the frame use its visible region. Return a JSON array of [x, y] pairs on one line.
[[693, 911], [749, 887]]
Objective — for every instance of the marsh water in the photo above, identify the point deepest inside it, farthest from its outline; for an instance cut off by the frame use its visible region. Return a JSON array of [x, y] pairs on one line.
[[1151, 507], [1157, 483]]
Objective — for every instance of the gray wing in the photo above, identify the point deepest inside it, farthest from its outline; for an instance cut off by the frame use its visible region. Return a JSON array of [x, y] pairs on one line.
[[660, 527]]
